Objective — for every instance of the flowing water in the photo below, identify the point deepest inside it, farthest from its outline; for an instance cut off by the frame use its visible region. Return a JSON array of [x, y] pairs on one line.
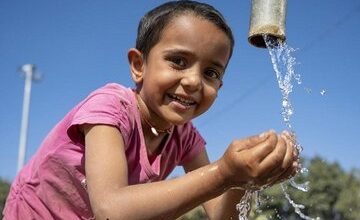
[[283, 64]]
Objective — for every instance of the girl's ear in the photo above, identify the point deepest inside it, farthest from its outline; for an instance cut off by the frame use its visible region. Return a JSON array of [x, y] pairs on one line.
[[136, 63]]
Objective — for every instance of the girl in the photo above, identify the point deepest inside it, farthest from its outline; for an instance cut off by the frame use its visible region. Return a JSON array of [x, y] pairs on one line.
[[109, 156]]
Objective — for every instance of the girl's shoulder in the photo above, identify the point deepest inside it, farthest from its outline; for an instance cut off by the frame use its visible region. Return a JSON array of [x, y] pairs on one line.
[[115, 89], [111, 104], [112, 92], [110, 98]]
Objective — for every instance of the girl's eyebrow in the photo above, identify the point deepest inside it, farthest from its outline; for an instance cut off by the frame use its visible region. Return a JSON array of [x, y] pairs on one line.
[[178, 51], [218, 64], [189, 53]]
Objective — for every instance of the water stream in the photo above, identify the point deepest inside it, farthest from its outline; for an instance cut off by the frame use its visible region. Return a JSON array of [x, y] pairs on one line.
[[283, 64]]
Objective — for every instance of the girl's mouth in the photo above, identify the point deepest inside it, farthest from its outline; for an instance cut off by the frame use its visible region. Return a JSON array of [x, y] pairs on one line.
[[182, 100]]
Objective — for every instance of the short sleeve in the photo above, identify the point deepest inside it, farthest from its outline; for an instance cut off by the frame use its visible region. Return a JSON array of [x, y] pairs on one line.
[[103, 108], [194, 144]]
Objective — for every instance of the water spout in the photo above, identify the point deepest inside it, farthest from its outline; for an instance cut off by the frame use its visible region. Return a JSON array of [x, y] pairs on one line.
[[267, 18]]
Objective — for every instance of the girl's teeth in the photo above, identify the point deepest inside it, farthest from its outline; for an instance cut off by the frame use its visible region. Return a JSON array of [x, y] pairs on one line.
[[182, 100]]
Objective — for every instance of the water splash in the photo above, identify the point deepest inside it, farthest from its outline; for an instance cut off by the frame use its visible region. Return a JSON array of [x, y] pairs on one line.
[[283, 65], [244, 205], [297, 207]]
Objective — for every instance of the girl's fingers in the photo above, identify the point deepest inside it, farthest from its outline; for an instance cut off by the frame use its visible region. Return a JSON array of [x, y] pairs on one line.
[[275, 158], [290, 154], [262, 150], [274, 174], [250, 142], [286, 169], [280, 177], [291, 137]]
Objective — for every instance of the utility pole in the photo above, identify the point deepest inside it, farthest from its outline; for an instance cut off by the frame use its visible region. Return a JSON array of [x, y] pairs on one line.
[[28, 71]]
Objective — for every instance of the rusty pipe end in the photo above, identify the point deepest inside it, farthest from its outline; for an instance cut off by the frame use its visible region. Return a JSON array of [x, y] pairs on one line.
[[258, 39], [267, 19]]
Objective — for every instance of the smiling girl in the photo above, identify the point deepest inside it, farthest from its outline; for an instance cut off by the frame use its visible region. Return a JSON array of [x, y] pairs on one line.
[[109, 157]]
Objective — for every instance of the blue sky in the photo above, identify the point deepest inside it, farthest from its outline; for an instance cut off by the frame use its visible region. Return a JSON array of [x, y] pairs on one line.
[[79, 46]]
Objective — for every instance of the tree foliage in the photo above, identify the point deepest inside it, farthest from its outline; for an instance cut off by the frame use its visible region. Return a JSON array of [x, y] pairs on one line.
[[333, 194], [4, 190]]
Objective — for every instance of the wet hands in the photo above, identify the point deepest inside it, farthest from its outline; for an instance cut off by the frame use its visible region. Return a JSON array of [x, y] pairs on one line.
[[259, 161]]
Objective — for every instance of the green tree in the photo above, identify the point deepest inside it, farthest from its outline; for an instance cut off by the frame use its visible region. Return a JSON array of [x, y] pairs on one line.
[[349, 198], [327, 180], [4, 190], [197, 213], [333, 194]]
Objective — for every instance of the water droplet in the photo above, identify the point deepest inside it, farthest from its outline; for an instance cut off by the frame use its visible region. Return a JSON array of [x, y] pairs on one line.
[[304, 170], [285, 103], [289, 112], [308, 90], [300, 186], [299, 148], [322, 92]]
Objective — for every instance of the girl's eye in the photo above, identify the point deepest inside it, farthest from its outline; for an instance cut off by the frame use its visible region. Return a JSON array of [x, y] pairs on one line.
[[212, 74], [178, 61]]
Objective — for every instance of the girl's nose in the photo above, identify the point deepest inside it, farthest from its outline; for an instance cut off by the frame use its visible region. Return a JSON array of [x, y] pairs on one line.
[[191, 81]]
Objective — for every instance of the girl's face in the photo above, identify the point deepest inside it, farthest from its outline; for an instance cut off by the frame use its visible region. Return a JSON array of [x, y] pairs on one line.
[[183, 71]]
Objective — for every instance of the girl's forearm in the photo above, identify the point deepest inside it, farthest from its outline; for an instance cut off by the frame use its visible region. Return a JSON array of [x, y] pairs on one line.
[[224, 207], [167, 199]]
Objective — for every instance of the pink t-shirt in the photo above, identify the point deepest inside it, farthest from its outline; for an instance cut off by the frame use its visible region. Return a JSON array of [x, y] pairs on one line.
[[53, 184]]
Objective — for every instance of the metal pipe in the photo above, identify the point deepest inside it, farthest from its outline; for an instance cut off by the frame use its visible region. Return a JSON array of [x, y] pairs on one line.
[[267, 18], [28, 70]]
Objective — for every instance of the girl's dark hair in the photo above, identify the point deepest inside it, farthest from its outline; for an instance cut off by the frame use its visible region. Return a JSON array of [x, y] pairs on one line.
[[153, 23]]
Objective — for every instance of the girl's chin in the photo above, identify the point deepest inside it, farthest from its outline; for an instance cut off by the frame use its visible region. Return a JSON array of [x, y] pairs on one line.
[[178, 119], [178, 114]]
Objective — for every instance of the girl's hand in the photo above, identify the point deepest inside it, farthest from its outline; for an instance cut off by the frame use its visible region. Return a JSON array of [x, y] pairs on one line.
[[259, 161]]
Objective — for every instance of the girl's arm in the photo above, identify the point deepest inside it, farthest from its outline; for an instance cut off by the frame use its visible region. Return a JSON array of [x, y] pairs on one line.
[[259, 159], [223, 206], [111, 197]]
